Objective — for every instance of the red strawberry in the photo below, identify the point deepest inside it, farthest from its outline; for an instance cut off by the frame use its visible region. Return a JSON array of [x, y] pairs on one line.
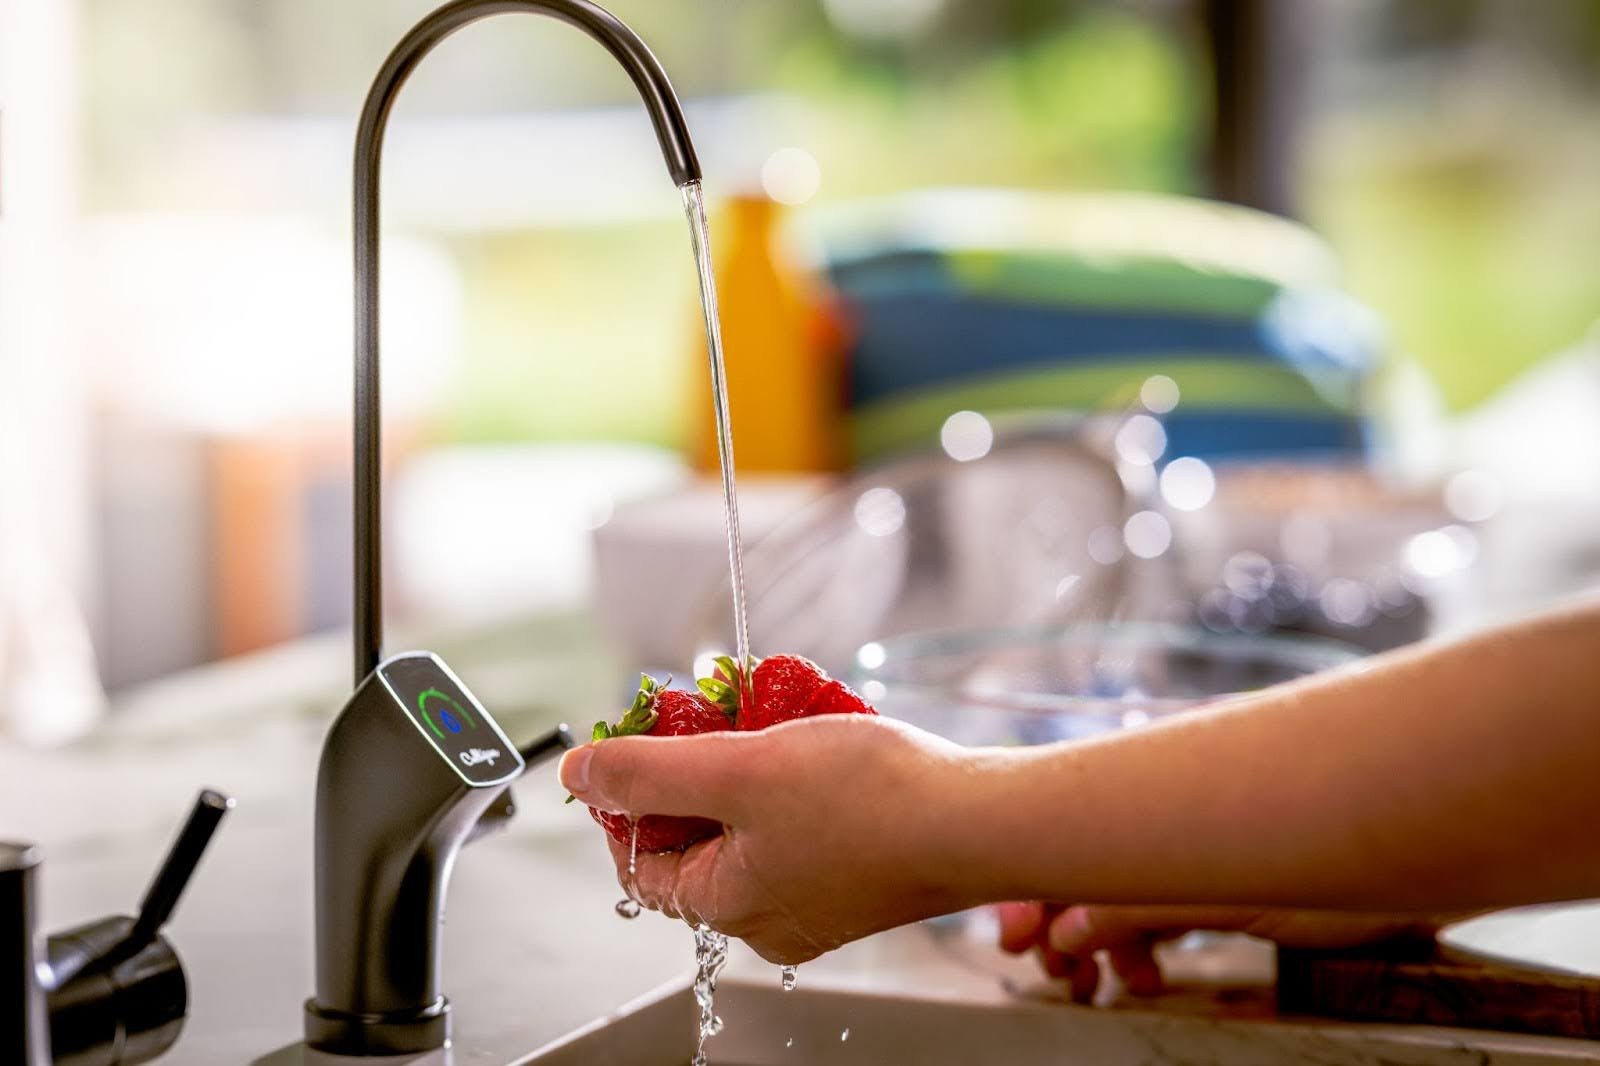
[[658, 832], [782, 687], [836, 697], [660, 712], [682, 714]]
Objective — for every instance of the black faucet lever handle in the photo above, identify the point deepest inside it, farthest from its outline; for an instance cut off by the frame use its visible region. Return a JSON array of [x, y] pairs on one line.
[[541, 748], [533, 753], [178, 867]]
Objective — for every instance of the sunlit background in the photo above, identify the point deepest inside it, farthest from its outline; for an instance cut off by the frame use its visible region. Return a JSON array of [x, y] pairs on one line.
[[175, 297]]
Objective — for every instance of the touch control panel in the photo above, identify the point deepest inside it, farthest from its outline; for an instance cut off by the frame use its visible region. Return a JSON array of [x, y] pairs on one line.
[[450, 719]]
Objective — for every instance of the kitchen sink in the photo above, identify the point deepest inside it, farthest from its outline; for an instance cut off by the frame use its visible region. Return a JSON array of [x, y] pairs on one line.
[[765, 1026], [942, 1008]]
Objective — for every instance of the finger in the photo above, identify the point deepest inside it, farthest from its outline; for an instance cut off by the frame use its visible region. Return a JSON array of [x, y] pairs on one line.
[[629, 881], [698, 775], [1136, 966], [1022, 925], [1081, 930], [780, 947], [1085, 979], [1056, 964], [678, 884], [655, 879]]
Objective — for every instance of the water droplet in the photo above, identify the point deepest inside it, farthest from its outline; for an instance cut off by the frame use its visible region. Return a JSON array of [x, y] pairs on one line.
[[789, 1042], [627, 908], [844, 1035], [633, 851], [789, 978]]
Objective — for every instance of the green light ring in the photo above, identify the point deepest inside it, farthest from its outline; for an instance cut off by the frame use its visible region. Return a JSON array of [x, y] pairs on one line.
[[422, 707]]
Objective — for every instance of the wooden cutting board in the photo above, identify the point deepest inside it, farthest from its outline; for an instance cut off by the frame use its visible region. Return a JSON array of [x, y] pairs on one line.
[[1535, 970]]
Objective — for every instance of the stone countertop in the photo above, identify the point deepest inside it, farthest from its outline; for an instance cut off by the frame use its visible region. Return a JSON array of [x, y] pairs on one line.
[[532, 949]]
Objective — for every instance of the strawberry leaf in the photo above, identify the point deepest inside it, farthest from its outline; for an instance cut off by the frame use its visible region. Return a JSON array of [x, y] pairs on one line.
[[727, 669], [720, 693], [715, 690]]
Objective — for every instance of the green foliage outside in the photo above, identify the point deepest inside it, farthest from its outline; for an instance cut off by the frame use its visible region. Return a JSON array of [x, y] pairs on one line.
[[1473, 229]]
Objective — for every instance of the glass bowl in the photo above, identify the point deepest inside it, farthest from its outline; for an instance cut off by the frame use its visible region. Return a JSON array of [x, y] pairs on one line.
[[1041, 684]]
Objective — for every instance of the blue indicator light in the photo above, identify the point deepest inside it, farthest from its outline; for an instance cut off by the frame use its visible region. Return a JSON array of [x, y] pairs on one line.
[[454, 719]]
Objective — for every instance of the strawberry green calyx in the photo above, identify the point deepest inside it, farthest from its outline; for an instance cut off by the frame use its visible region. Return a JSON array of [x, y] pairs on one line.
[[727, 669], [724, 686], [640, 717], [719, 692]]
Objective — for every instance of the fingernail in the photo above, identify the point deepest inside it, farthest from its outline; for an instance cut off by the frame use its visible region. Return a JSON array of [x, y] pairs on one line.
[[1068, 931], [1019, 926], [1012, 912], [575, 769]]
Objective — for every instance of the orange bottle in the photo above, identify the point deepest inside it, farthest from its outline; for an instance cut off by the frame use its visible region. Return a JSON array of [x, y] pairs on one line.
[[782, 344]]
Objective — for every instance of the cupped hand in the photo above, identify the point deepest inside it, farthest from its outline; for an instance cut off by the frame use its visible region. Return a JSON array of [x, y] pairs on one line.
[[832, 827], [1067, 937]]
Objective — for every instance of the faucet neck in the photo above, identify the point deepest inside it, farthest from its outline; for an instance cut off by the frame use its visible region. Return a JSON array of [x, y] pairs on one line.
[[22, 1014], [666, 114]]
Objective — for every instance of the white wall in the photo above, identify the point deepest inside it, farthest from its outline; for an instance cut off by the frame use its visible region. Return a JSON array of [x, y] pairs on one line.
[[47, 682], [39, 365]]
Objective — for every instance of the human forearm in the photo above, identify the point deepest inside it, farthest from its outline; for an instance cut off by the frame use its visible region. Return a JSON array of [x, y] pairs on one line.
[[1448, 776]]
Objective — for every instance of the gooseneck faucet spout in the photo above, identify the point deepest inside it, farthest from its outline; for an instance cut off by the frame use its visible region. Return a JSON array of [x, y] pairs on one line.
[[671, 130], [414, 766]]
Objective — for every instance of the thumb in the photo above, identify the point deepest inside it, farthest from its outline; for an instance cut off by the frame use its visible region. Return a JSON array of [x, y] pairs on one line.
[[693, 775]]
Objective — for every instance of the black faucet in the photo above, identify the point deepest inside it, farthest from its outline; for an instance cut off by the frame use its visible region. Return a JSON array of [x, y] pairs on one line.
[[110, 992], [414, 766]]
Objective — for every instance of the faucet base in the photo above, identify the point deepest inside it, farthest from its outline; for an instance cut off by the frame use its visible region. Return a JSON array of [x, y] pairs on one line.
[[397, 1033]]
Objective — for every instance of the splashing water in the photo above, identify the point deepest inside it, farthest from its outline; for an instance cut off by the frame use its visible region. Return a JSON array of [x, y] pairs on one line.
[[710, 956], [789, 977], [700, 239]]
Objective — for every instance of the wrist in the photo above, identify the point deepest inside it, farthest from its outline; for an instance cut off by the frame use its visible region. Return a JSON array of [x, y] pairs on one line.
[[981, 846]]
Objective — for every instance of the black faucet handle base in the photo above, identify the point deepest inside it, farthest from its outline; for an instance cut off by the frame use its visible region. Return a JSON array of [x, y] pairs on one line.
[[399, 1033], [126, 1001]]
